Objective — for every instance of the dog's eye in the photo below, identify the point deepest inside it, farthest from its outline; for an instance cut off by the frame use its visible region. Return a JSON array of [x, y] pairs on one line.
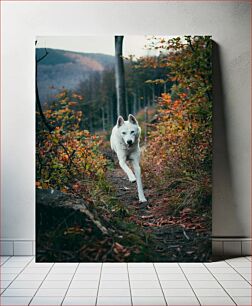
[[123, 133], [132, 132]]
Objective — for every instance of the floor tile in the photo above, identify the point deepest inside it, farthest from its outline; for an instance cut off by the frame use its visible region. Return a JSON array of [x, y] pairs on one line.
[[166, 264], [217, 264], [178, 292], [117, 301], [98, 264], [241, 264], [114, 284], [229, 276], [30, 276], [14, 264], [114, 292], [243, 270], [61, 270], [5, 283], [168, 270], [172, 276], [4, 259], [51, 292], [140, 264], [146, 292], [84, 284], [85, 276], [201, 276], [239, 291], [80, 300], [47, 300], [147, 300], [24, 284], [204, 284], [82, 292], [88, 270], [39, 265], [19, 292], [220, 300], [243, 300], [121, 276], [235, 284], [210, 292], [8, 276], [9, 270], [33, 270], [247, 277], [191, 264], [193, 270], [143, 277], [134, 270], [220, 270], [189, 300], [55, 284], [64, 265], [58, 277], [237, 259], [175, 284], [145, 284], [109, 269], [15, 300], [21, 258]]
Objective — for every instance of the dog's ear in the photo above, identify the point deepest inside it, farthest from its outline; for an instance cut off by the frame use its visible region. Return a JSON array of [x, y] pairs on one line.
[[120, 121], [132, 119]]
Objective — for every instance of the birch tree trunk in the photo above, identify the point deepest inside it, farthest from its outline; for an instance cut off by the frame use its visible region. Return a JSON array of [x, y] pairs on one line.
[[120, 77]]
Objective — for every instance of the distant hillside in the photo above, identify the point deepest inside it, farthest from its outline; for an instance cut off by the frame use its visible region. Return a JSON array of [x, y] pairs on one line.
[[67, 69]]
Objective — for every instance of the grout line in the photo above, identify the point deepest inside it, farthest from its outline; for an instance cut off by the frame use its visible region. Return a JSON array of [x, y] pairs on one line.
[[189, 283], [16, 275], [41, 283], [160, 284], [96, 300], [9, 257], [220, 284], [239, 273], [246, 258], [131, 299], [70, 283]]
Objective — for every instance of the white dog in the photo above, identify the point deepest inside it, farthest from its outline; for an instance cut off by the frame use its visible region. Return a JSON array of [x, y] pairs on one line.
[[124, 141]]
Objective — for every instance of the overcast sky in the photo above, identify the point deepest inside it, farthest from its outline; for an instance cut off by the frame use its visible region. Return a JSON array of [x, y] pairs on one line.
[[132, 45]]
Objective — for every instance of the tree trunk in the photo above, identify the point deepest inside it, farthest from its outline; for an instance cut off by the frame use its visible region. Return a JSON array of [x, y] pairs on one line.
[[120, 77], [134, 104], [103, 119]]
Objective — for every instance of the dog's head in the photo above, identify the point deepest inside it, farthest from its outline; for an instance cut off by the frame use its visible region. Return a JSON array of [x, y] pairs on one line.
[[129, 130]]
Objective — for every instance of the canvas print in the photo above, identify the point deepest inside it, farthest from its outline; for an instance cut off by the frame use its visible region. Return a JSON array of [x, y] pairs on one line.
[[123, 148]]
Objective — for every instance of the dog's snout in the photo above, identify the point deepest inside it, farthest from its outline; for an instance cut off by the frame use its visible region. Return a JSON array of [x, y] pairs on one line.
[[129, 142]]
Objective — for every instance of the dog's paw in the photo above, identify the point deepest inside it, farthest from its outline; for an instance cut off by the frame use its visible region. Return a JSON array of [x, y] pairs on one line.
[[142, 200]]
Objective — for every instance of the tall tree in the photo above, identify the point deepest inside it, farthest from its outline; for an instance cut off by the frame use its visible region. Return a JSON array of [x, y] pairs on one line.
[[120, 77]]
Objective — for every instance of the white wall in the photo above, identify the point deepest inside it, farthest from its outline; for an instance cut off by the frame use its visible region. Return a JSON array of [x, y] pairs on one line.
[[227, 22]]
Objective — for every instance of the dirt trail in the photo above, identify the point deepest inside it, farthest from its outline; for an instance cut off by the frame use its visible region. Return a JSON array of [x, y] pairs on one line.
[[172, 242]]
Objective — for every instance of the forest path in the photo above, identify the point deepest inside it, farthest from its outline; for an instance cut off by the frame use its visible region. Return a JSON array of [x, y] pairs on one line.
[[171, 241]]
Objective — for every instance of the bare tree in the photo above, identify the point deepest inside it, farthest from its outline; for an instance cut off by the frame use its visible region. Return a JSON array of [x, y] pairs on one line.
[[120, 77]]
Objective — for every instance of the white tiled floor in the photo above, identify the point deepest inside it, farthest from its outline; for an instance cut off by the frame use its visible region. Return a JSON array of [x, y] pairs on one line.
[[24, 282]]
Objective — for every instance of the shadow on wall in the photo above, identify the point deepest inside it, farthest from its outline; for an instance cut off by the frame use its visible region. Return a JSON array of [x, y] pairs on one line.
[[226, 221]]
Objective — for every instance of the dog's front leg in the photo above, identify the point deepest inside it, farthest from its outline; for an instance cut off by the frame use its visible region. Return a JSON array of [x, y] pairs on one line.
[[126, 169], [137, 170]]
